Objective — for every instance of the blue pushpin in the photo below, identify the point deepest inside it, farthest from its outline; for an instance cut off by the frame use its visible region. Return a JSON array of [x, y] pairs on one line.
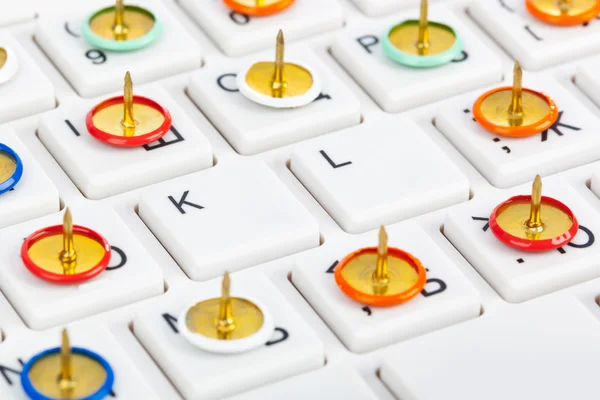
[[11, 168], [121, 28], [67, 373], [421, 43]]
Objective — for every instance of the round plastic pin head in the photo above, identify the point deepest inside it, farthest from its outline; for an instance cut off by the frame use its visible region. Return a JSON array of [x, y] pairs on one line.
[[533, 223], [67, 372], [65, 253], [11, 168], [121, 28], [9, 65], [380, 276], [279, 84], [514, 111], [128, 120], [258, 8], [421, 43], [563, 12], [226, 324]]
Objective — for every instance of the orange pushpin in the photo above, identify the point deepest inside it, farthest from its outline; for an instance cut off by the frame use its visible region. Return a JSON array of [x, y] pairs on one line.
[[514, 111], [380, 276], [563, 12], [258, 8]]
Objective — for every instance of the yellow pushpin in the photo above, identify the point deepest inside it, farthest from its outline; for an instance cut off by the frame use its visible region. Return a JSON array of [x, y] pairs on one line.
[[380, 276], [533, 222], [9, 64], [65, 253], [279, 84], [226, 324], [67, 373], [563, 12], [514, 111]]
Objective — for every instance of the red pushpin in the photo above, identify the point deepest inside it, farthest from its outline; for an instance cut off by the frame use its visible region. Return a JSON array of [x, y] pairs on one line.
[[128, 120], [66, 253]]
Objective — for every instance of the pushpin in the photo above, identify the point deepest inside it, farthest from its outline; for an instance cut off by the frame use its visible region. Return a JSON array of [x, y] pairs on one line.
[[121, 27], [380, 276], [563, 12], [9, 65], [279, 84], [533, 223], [258, 8], [515, 111], [65, 253], [421, 43], [226, 324], [11, 168], [67, 372], [128, 120]]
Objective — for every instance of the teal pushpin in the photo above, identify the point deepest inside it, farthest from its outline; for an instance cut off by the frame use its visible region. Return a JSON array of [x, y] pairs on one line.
[[121, 28], [421, 44]]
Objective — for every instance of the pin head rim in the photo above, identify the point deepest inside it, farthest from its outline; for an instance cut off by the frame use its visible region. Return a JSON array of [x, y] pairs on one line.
[[121, 45], [528, 245], [562, 20], [12, 181], [417, 61], [515, 131], [61, 278], [102, 392], [381, 300], [133, 141], [255, 11], [10, 67]]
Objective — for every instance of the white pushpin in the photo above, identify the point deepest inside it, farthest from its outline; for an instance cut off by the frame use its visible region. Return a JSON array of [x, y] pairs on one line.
[[9, 64]]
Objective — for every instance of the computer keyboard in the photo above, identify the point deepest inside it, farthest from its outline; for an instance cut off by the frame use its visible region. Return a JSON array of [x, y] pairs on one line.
[[272, 201]]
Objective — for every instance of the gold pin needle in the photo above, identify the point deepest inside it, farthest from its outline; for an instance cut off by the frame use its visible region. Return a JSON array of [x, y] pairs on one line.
[[564, 6], [225, 324], [515, 113], [535, 217], [260, 3], [279, 85], [68, 256], [120, 30], [423, 43], [66, 382], [128, 122], [380, 275]]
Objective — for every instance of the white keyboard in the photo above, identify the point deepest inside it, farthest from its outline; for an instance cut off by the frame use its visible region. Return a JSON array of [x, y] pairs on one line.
[[279, 197]]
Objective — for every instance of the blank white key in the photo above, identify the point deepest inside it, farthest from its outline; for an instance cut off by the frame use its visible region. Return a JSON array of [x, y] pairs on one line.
[[131, 275], [586, 78], [100, 170], [325, 383], [374, 8], [447, 298], [29, 91], [93, 71], [293, 349], [595, 183], [547, 349], [516, 275], [572, 140], [129, 381], [534, 43], [395, 87], [372, 175], [251, 127], [35, 194], [227, 218], [237, 34]]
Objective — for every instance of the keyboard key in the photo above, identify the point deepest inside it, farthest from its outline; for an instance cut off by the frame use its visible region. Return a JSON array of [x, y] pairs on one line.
[[251, 128], [518, 276], [197, 374], [8, 317], [539, 350], [33, 196], [571, 141], [447, 298], [360, 175], [375, 8], [93, 72], [100, 170], [28, 91], [238, 34], [129, 382], [587, 80], [534, 43], [397, 88], [325, 383], [227, 218], [131, 275]]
